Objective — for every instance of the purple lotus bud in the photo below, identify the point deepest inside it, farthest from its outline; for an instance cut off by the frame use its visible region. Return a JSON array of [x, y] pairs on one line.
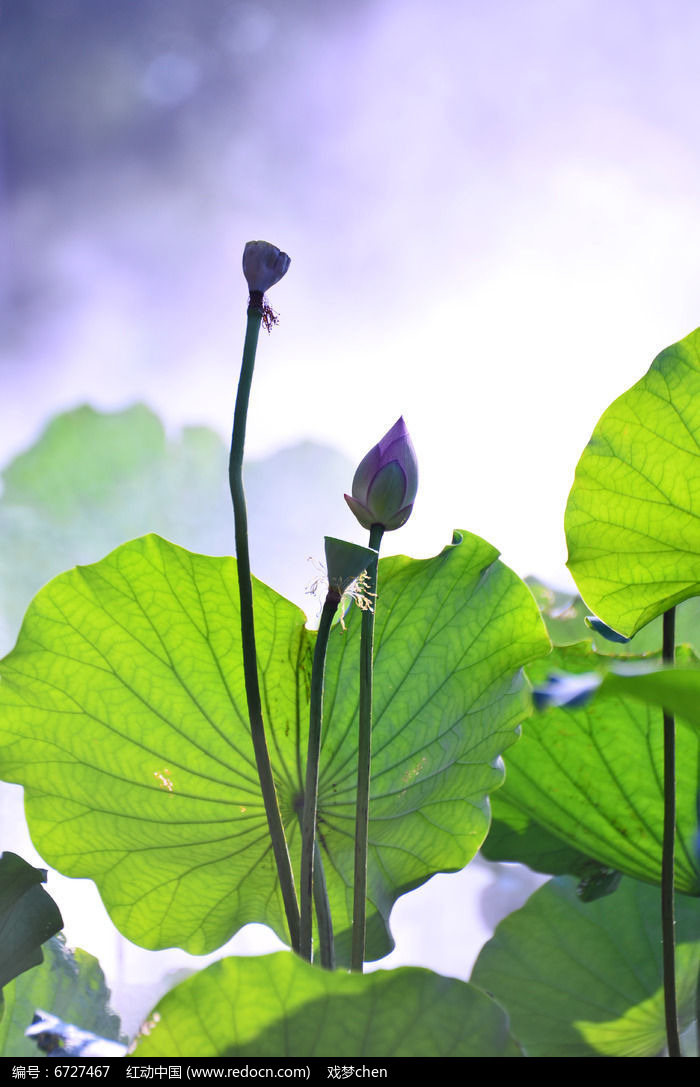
[[263, 265], [385, 484]]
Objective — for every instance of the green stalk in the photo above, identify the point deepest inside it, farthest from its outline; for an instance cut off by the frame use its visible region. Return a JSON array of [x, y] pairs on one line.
[[667, 857], [359, 911], [250, 668], [323, 912], [308, 829], [697, 1014]]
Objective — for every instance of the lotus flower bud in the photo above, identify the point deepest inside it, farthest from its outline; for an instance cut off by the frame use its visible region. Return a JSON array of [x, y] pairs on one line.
[[386, 481], [345, 562], [263, 265]]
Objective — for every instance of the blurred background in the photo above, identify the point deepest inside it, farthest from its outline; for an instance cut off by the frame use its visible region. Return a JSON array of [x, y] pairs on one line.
[[493, 215]]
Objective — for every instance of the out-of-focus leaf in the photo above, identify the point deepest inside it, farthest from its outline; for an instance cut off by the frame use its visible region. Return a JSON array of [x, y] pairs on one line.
[[56, 1038], [561, 690], [68, 983], [565, 618], [279, 1006], [676, 690], [94, 479], [564, 614], [585, 979]]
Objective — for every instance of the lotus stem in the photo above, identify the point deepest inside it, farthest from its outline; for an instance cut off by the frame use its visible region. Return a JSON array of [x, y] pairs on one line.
[[667, 856], [697, 1013], [323, 912], [359, 913], [313, 887], [250, 668]]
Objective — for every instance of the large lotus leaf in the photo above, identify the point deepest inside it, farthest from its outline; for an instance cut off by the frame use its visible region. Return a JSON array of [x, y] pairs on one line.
[[584, 979], [633, 515], [279, 1006], [514, 836], [69, 984], [592, 776], [124, 717], [28, 917]]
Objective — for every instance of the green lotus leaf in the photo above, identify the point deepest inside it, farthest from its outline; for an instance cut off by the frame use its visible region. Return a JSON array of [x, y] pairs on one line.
[[592, 778], [676, 690], [633, 515], [584, 979], [514, 836], [279, 1006], [124, 717]]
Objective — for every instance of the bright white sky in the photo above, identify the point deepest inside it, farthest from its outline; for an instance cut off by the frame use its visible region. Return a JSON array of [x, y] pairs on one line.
[[493, 215]]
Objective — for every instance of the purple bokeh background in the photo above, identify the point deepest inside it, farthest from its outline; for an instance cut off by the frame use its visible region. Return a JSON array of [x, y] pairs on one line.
[[493, 214]]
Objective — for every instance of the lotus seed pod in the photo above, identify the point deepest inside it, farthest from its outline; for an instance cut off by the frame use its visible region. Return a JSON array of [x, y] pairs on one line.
[[263, 265]]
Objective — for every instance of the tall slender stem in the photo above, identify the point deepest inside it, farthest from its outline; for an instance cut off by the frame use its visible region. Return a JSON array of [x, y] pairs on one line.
[[697, 1013], [667, 857], [308, 829], [359, 912], [323, 912], [250, 668]]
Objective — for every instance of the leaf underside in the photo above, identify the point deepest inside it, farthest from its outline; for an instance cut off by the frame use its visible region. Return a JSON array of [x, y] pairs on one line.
[[601, 766], [633, 515], [584, 979], [125, 719], [279, 1006]]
